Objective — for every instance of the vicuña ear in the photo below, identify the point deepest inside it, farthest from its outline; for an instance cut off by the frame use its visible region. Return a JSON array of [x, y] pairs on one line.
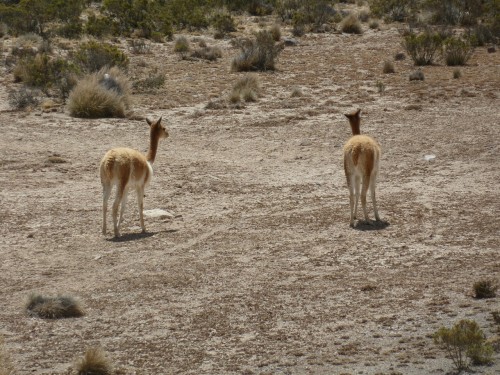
[[159, 120], [358, 112], [149, 121]]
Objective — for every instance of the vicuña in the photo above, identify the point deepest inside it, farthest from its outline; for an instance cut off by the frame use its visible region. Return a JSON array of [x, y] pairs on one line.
[[127, 168], [361, 163]]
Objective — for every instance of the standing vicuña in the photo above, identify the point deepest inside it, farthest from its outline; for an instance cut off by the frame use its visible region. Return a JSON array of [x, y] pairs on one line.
[[361, 161], [127, 168]]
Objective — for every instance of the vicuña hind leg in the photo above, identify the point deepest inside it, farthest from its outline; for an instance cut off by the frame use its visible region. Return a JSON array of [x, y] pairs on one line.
[[366, 183], [116, 205], [372, 191], [106, 191], [140, 201]]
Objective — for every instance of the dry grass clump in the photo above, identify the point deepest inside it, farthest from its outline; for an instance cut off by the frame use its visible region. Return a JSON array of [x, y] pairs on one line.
[[24, 98], [485, 289], [182, 45], [417, 75], [6, 367], [351, 25], [258, 54], [94, 362], [275, 32], [53, 307], [457, 73], [246, 89], [207, 53], [364, 15], [388, 67], [102, 94], [296, 92]]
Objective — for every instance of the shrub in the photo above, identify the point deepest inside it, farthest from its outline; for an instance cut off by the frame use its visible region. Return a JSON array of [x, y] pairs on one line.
[[388, 67], [417, 75], [351, 25], [247, 89], [457, 73], [92, 56], [275, 32], [94, 362], [380, 87], [102, 94], [259, 54], [53, 307], [139, 46], [99, 26], [374, 25], [154, 81], [464, 339], [485, 289], [24, 98], [393, 10], [182, 46], [423, 47], [207, 53], [399, 56], [457, 51], [223, 23], [364, 16]]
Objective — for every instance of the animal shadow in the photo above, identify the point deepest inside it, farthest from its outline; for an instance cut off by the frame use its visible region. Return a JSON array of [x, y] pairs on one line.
[[371, 225], [131, 237]]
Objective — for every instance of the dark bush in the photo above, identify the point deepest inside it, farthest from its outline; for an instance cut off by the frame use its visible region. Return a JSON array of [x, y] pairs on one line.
[[457, 51], [423, 47], [53, 307], [24, 98], [93, 56], [258, 54], [100, 26], [223, 23]]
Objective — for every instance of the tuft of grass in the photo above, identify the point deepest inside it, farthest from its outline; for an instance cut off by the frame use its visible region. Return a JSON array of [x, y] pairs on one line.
[[351, 25], [207, 53], [380, 87], [258, 54], [275, 31], [6, 367], [246, 89], [94, 362], [388, 67], [155, 80], [296, 92], [364, 15], [102, 94], [457, 73], [457, 51], [53, 307], [374, 25], [464, 339], [485, 289], [182, 46], [399, 56], [417, 75]]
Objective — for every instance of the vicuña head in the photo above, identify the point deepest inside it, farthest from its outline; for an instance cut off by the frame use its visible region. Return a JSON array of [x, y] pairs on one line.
[[361, 163], [127, 168]]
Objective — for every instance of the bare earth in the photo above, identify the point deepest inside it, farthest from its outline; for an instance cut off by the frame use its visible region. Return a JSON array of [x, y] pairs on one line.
[[257, 271]]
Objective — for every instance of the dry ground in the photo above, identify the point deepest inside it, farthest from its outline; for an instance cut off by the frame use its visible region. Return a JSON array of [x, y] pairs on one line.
[[259, 271]]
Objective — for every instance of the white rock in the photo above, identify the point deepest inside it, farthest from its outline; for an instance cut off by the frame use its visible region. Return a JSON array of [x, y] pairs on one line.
[[158, 213]]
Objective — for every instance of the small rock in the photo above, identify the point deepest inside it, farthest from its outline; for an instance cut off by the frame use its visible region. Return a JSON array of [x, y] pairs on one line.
[[417, 75], [159, 213], [429, 157], [290, 42]]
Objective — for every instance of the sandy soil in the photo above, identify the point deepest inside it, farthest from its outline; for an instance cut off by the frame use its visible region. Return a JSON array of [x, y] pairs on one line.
[[257, 270]]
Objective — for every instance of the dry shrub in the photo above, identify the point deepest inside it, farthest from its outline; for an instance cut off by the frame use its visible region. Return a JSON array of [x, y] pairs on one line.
[[485, 289], [351, 25], [102, 94], [275, 32], [53, 307], [207, 53], [246, 89], [24, 98], [259, 54], [388, 67], [417, 75], [457, 51], [457, 74], [6, 367], [94, 362], [182, 45]]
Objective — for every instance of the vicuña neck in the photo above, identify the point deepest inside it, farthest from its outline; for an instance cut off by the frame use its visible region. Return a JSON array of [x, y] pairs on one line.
[[354, 125], [153, 148]]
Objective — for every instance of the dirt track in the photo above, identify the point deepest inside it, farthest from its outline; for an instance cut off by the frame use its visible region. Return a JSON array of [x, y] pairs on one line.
[[258, 272]]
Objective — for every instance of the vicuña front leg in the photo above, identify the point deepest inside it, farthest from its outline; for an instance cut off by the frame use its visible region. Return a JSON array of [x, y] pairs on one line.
[[140, 200]]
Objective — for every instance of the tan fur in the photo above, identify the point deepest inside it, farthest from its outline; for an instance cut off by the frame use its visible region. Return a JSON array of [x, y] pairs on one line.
[[127, 168], [361, 164]]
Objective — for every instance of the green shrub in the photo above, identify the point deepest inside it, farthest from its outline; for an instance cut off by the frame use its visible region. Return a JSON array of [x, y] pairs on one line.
[[93, 56], [351, 25], [393, 10], [246, 88], [181, 45], [42, 71], [485, 289], [423, 47], [94, 362], [70, 30], [258, 54], [223, 23], [464, 339], [457, 51], [101, 94], [100, 26], [53, 307]]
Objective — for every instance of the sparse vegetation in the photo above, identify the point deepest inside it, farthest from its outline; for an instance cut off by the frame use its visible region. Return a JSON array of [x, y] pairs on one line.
[[102, 94], [207, 53], [182, 46], [275, 31], [246, 89], [351, 25], [457, 51], [154, 81], [388, 67], [464, 339], [485, 289], [380, 87], [457, 73], [417, 75], [223, 24], [93, 56], [258, 54], [94, 362], [423, 47], [24, 98], [297, 92], [53, 307]]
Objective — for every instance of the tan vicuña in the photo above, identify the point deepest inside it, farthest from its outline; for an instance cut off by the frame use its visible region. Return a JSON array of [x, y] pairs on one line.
[[127, 168], [361, 165]]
